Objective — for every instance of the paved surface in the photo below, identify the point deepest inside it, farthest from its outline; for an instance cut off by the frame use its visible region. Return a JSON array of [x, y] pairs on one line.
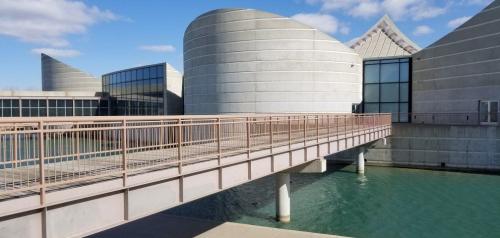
[[167, 226]]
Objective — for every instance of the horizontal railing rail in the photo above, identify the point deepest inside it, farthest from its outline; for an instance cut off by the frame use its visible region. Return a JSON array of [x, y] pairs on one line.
[[460, 118], [38, 155]]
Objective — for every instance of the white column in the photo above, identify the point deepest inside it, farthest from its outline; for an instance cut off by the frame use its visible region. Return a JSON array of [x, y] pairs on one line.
[[283, 197], [361, 161]]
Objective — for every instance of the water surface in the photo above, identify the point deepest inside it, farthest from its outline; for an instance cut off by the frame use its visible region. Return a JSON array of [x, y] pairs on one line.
[[386, 202]]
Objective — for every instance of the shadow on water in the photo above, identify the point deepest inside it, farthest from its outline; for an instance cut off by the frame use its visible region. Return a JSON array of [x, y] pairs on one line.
[[203, 214]]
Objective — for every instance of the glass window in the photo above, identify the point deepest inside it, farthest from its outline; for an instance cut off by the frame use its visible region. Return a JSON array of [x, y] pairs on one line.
[[15, 103], [25, 103], [390, 108], [146, 72], [161, 71], [34, 112], [60, 103], [389, 73], [153, 73], [403, 109], [69, 103], [33, 103], [42, 103], [372, 73], [403, 92], [140, 73], [6, 112], [372, 93], [26, 112], [52, 103], [404, 72], [6, 103], [371, 108], [389, 92], [15, 112], [42, 112]]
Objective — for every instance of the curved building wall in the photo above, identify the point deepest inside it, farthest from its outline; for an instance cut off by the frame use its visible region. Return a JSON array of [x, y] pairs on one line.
[[58, 76], [248, 61], [455, 73]]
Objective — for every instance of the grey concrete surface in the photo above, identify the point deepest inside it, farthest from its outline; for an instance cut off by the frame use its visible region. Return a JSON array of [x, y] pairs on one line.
[[249, 61], [460, 69], [58, 76], [384, 39], [468, 148], [166, 226]]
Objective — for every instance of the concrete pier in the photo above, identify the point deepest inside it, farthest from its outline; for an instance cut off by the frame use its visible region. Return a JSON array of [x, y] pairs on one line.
[[283, 197], [361, 161]]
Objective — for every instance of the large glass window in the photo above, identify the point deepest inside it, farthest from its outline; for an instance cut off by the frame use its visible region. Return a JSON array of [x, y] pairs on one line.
[[386, 87], [139, 88]]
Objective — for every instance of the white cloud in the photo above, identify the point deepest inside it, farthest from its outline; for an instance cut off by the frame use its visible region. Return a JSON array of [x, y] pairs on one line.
[[157, 48], [365, 9], [48, 22], [322, 22], [477, 2], [422, 30], [57, 52], [397, 9], [458, 22]]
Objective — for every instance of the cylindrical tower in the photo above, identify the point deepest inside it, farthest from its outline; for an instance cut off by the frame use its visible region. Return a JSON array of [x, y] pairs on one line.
[[248, 61]]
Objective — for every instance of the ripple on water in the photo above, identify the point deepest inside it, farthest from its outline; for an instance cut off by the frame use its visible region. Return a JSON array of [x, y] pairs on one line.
[[385, 202]]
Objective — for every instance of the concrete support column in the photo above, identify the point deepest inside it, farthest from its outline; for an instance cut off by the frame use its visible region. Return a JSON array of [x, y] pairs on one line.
[[361, 161], [283, 197]]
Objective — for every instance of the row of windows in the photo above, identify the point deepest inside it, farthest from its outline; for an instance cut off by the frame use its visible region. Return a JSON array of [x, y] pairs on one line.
[[52, 107], [156, 71], [386, 87], [137, 91], [137, 87]]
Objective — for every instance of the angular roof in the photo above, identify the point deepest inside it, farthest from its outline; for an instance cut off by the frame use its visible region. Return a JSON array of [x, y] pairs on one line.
[[58, 76], [384, 39]]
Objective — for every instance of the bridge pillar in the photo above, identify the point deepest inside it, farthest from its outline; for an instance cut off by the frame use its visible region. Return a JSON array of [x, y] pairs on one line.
[[361, 161], [283, 197]]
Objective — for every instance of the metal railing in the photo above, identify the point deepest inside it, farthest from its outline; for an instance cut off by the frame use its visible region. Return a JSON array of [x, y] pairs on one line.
[[461, 118], [42, 154]]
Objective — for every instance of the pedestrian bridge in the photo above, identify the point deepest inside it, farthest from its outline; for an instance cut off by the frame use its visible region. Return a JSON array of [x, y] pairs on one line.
[[70, 177]]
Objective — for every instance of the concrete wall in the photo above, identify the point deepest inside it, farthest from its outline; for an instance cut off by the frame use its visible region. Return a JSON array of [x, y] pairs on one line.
[[460, 69], [57, 76], [459, 147], [173, 94], [248, 61]]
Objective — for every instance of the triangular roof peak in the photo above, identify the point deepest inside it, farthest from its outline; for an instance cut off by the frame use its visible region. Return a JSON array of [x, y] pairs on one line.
[[384, 39]]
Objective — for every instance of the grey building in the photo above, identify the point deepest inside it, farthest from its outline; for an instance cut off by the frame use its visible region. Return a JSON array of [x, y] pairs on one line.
[[249, 61], [145, 90], [58, 76], [386, 53], [459, 74]]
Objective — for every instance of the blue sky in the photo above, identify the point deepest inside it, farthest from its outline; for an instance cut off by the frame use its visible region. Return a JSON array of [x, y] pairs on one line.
[[100, 36]]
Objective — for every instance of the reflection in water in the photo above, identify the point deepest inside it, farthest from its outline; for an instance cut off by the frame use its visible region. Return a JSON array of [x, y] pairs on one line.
[[385, 202]]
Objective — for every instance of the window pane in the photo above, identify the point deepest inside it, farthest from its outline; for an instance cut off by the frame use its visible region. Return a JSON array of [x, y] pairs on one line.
[[371, 73], [389, 92], [52, 112], [52, 103], [60, 103], [390, 108], [140, 74], [25, 103], [146, 72], [42, 112], [15, 103], [153, 72], [34, 112], [404, 72], [389, 73], [33, 103], [42, 103], [6, 112], [15, 112], [69, 103], [403, 109], [372, 93], [160, 71], [403, 92], [371, 107], [6, 103]]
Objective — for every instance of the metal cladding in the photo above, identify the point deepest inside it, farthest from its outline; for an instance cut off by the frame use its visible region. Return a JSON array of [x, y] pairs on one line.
[[248, 61], [384, 39], [460, 69], [58, 76]]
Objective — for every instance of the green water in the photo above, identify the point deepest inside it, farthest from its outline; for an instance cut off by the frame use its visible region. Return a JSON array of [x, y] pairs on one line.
[[386, 202]]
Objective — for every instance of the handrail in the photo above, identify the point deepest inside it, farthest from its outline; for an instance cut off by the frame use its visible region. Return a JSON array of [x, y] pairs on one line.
[[38, 155]]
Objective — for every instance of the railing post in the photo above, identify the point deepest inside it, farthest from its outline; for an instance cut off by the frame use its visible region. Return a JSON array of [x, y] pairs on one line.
[[289, 132], [271, 133], [248, 138], [317, 129], [124, 151], [305, 129], [14, 160], [179, 144], [219, 151], [41, 162]]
